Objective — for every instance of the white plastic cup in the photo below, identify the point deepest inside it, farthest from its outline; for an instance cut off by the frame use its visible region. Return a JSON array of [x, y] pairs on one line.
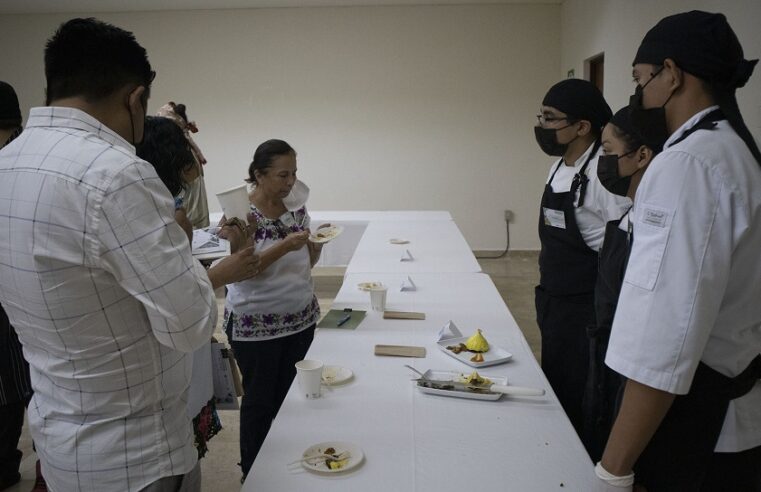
[[309, 374], [378, 297], [234, 202]]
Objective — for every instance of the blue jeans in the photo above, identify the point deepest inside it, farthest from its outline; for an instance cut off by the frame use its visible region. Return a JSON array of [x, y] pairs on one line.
[[267, 370]]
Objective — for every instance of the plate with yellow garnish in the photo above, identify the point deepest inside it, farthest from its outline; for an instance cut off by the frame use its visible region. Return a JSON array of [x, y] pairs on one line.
[[332, 457]]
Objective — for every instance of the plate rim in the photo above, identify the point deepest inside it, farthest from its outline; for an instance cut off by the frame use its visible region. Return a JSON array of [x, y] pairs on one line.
[[345, 444], [341, 382], [367, 289], [442, 344], [338, 228]]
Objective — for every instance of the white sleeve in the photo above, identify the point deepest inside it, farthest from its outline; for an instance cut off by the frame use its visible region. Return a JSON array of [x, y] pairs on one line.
[[676, 276], [148, 253]]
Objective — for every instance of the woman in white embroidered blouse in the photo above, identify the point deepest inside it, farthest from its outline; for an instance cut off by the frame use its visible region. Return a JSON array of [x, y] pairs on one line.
[[270, 319]]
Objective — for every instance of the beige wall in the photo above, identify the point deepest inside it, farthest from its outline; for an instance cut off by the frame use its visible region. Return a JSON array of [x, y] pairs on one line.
[[388, 107], [616, 27]]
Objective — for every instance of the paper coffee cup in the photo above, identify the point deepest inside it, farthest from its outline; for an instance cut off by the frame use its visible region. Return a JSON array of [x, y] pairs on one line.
[[234, 202], [309, 375], [378, 297]]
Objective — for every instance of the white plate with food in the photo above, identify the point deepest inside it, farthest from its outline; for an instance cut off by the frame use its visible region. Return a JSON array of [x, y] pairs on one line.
[[368, 286], [456, 348], [336, 375], [474, 393], [326, 234], [332, 457]]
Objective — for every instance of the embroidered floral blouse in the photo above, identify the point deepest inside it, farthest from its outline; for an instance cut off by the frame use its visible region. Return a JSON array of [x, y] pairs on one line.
[[279, 301]]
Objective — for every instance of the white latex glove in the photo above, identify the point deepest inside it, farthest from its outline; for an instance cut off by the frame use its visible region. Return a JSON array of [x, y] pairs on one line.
[[607, 482]]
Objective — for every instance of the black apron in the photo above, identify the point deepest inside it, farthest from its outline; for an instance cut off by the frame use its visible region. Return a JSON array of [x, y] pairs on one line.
[[565, 294], [679, 455], [603, 383]]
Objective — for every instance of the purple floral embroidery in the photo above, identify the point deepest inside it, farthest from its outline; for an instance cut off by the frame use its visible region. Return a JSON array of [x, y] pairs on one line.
[[275, 229], [266, 325]]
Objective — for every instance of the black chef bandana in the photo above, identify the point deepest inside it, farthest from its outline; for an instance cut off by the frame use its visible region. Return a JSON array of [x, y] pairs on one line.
[[580, 100], [10, 114], [622, 121], [700, 43]]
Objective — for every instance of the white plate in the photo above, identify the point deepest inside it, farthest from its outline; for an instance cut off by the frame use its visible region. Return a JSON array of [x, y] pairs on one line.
[[459, 377], [495, 355], [355, 456], [326, 234], [367, 286], [336, 375]]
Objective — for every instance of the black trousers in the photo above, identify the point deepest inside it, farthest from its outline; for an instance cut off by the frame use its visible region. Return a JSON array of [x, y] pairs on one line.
[[734, 472], [267, 369], [11, 422], [563, 322]]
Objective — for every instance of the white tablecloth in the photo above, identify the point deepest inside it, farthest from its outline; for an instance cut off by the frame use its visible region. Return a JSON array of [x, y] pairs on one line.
[[435, 245], [417, 442]]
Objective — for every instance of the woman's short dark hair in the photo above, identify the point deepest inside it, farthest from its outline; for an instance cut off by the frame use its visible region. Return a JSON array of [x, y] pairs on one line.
[[93, 59], [165, 146], [265, 154]]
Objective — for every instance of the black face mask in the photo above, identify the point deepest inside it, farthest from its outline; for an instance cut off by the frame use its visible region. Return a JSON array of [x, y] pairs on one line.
[[649, 123], [547, 139], [607, 173]]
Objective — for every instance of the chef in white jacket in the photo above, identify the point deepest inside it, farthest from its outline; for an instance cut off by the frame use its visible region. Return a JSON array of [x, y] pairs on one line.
[[687, 330]]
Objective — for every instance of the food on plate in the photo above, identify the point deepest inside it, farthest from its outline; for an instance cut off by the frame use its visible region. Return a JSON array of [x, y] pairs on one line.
[[475, 379], [477, 343], [369, 285], [457, 348], [479, 357], [334, 460]]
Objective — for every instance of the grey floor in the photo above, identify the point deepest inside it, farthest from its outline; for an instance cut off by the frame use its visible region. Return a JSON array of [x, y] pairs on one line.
[[515, 277]]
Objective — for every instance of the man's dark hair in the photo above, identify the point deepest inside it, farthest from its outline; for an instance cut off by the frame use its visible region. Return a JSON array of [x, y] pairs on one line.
[[164, 145], [92, 59]]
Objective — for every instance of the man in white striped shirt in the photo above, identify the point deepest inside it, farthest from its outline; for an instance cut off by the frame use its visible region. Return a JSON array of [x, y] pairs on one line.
[[98, 278]]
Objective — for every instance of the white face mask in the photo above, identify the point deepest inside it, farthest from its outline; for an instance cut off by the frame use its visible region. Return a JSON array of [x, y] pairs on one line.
[[298, 196]]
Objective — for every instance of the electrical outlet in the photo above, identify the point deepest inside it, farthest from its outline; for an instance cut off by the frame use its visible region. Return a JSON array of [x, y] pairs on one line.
[[509, 216]]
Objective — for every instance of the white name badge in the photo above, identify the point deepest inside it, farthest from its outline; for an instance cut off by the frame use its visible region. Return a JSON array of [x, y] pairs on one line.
[[554, 218]]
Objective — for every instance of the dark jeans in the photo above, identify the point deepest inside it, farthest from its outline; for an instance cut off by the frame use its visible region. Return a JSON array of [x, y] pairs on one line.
[[267, 369], [11, 422]]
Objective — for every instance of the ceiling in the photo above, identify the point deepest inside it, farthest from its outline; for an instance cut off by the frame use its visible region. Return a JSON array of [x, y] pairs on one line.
[[71, 6]]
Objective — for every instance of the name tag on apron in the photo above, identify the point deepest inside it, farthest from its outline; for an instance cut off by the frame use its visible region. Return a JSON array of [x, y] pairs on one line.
[[554, 218]]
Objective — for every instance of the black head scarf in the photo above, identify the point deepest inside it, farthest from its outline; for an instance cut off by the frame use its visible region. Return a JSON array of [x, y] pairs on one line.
[[579, 99], [703, 44], [622, 120]]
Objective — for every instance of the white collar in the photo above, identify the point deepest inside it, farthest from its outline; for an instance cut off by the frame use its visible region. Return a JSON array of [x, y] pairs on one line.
[[62, 117], [688, 124]]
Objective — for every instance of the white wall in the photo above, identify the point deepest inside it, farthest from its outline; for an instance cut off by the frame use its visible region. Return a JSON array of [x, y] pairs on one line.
[[617, 27], [388, 107]]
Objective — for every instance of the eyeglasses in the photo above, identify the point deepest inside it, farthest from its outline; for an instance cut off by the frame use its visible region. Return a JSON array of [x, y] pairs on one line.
[[544, 119]]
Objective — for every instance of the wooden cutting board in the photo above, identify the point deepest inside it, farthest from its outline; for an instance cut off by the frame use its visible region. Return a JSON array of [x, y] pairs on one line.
[[402, 315], [400, 350]]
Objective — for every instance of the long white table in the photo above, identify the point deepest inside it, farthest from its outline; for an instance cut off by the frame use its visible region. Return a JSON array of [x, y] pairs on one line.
[[435, 246], [416, 442]]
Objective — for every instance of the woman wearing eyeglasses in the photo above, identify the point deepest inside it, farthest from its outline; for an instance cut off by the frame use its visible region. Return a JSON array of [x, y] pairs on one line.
[[574, 210]]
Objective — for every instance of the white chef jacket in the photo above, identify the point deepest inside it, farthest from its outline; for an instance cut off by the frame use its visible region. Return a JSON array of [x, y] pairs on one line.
[[600, 206], [693, 282]]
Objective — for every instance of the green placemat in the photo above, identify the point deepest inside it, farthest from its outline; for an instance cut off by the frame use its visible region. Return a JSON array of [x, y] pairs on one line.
[[335, 315]]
